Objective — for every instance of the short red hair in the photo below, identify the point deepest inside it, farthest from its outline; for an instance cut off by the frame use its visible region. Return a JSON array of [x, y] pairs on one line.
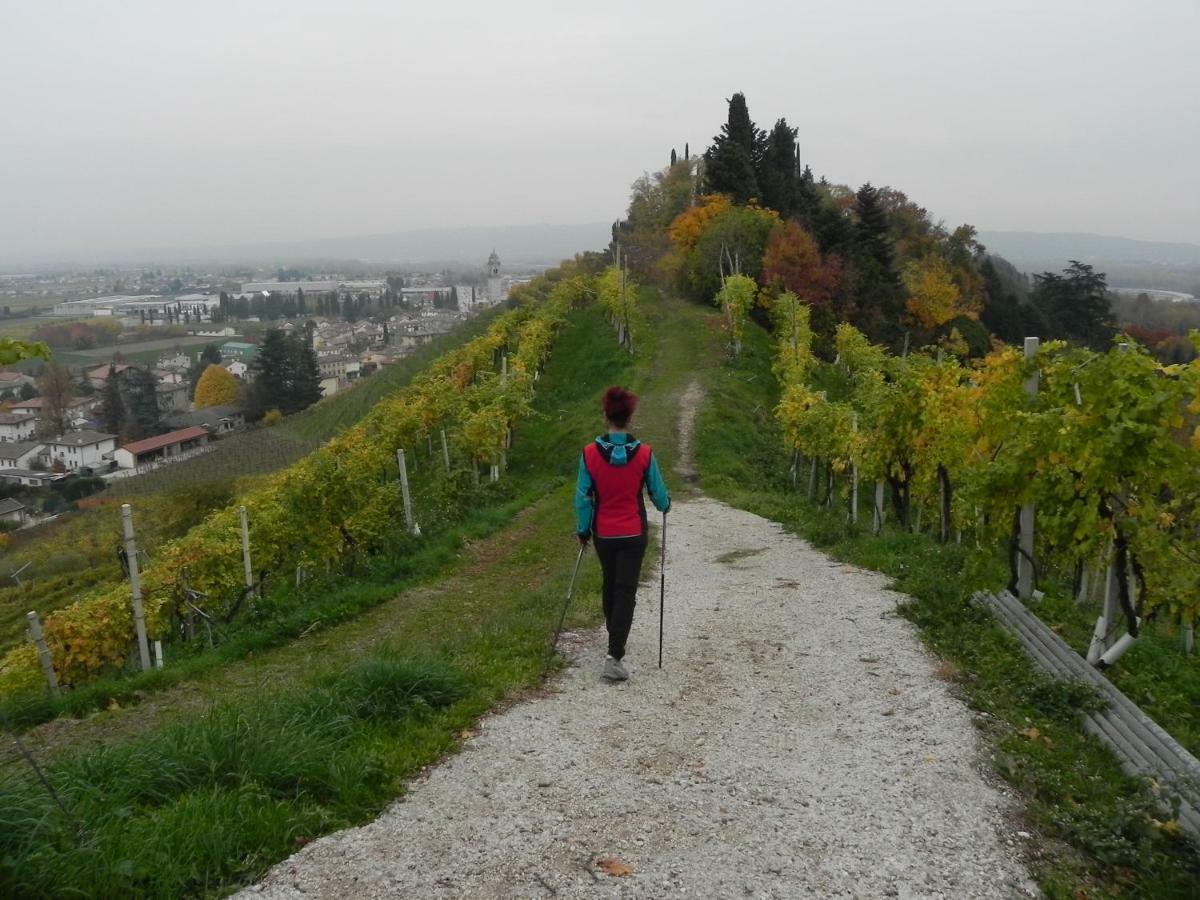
[[619, 405]]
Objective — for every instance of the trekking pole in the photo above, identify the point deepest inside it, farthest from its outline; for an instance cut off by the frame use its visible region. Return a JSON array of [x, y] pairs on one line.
[[662, 588], [563, 616]]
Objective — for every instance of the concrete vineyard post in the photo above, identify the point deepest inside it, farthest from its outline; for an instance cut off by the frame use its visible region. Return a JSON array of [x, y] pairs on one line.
[[1025, 539], [854, 478], [158, 655], [445, 451], [812, 479], [409, 522], [248, 570], [135, 585], [43, 652]]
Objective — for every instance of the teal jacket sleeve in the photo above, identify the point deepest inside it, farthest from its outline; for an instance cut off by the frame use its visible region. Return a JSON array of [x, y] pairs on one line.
[[583, 500], [656, 486]]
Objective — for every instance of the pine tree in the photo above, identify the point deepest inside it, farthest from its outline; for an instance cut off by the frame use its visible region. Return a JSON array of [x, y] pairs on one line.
[[730, 163]]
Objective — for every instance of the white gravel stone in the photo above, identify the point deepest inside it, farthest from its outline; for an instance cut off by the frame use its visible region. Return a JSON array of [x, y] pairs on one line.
[[758, 762]]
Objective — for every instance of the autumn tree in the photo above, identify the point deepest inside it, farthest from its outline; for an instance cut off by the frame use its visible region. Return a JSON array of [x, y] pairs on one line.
[[792, 262], [731, 244], [56, 389], [216, 387], [933, 296]]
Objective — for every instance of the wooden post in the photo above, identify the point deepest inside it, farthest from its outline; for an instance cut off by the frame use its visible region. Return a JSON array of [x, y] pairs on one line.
[[879, 513], [409, 522], [1025, 539], [248, 571], [43, 652], [135, 585], [445, 450]]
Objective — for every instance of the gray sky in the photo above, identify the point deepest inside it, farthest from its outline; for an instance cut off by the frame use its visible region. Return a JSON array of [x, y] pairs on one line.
[[131, 124]]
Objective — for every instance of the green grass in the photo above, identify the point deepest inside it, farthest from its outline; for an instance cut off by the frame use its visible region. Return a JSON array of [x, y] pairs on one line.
[[1098, 823], [200, 800], [194, 807]]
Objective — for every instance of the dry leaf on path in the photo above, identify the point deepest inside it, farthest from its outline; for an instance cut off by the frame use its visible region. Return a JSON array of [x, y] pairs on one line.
[[610, 865]]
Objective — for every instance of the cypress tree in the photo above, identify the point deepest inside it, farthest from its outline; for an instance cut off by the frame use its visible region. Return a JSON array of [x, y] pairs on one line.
[[112, 408], [777, 175], [730, 163]]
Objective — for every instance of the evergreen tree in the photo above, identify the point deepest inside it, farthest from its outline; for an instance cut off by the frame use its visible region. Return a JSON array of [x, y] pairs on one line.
[[731, 161], [112, 407], [1001, 307], [1076, 305], [139, 395], [876, 283], [272, 368], [286, 374], [778, 178], [306, 376]]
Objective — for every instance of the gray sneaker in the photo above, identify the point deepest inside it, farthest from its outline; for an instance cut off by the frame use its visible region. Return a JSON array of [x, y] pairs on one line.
[[615, 669]]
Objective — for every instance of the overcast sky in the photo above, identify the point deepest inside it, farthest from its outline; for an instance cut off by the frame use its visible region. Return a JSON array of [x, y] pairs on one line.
[[127, 124]]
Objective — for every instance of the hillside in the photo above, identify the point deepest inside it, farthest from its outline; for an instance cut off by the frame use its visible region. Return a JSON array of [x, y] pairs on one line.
[[1055, 249]]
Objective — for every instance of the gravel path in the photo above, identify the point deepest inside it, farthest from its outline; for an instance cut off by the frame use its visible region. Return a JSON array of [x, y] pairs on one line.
[[796, 744]]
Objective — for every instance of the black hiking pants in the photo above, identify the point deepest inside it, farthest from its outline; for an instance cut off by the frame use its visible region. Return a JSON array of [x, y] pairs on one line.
[[621, 566]]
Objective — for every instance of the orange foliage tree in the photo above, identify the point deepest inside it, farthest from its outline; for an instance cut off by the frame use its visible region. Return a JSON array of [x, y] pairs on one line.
[[793, 262]]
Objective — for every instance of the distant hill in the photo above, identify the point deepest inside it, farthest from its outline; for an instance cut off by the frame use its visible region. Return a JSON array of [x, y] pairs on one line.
[[516, 244], [1023, 247]]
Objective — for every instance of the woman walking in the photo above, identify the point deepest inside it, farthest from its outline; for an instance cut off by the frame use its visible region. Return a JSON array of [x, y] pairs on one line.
[[611, 507]]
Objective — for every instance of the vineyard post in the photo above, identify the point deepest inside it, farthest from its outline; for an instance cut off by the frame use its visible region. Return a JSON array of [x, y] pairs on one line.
[[247, 569], [1025, 540], [39, 641], [158, 654], [445, 450], [409, 522], [877, 519], [854, 477], [812, 479], [135, 585], [1189, 636]]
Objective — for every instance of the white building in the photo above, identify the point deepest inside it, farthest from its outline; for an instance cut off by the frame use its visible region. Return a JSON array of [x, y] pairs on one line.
[[20, 455], [81, 449], [16, 427], [164, 446]]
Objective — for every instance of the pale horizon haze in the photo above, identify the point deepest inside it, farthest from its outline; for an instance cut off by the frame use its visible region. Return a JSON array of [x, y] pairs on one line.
[[135, 125]]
